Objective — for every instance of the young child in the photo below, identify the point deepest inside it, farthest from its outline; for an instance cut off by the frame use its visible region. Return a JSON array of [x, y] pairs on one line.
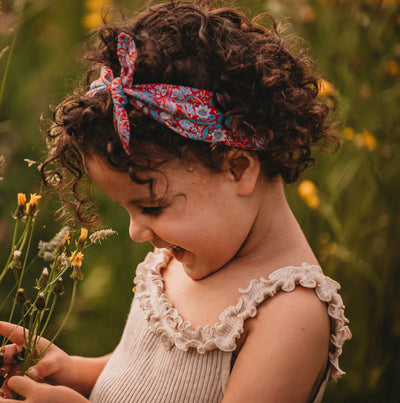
[[198, 118]]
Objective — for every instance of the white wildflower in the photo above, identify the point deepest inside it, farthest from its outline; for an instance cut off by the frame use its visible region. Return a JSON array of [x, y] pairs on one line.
[[101, 235], [47, 250], [30, 162], [62, 262]]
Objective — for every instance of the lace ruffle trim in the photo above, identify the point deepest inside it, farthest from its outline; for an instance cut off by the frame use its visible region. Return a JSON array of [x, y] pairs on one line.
[[173, 330]]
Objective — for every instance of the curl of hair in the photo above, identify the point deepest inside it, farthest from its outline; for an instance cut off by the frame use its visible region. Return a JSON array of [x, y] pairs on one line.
[[271, 91]]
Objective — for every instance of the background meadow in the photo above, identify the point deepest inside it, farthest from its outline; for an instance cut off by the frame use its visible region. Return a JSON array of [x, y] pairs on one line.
[[347, 204]]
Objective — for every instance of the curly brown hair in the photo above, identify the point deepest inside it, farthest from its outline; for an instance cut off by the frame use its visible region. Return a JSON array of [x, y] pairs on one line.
[[270, 91]]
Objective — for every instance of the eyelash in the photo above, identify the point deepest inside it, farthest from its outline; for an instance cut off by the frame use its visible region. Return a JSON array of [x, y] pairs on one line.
[[152, 211]]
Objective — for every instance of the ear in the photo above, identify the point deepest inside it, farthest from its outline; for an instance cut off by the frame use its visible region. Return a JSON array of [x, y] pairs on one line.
[[244, 169]]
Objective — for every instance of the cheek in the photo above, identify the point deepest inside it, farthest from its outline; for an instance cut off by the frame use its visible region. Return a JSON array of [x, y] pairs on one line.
[[131, 233]]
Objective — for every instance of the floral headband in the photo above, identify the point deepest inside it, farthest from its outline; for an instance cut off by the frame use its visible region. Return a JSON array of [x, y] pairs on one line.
[[188, 111]]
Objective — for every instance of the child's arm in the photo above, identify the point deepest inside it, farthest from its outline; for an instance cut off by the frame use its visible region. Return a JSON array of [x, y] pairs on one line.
[[285, 353], [78, 373], [56, 367]]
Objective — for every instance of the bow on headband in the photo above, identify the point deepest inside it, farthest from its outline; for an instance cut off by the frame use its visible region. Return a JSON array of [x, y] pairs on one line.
[[188, 111]]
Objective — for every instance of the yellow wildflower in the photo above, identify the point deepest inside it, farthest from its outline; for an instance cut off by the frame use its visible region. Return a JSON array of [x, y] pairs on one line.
[[76, 266], [307, 188], [82, 238], [365, 140], [92, 21], [312, 202], [21, 199], [66, 239], [308, 192], [34, 199], [369, 140], [348, 133], [94, 18], [392, 68], [77, 260], [20, 211], [31, 206], [325, 88]]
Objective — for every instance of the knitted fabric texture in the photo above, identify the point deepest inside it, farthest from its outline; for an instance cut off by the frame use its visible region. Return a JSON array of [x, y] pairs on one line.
[[161, 358]]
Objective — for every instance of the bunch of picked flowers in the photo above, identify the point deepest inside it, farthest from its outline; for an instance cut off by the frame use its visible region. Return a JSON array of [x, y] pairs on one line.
[[33, 307]]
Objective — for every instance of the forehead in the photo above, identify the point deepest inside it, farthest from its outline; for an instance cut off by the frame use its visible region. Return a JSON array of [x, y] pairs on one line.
[[169, 179]]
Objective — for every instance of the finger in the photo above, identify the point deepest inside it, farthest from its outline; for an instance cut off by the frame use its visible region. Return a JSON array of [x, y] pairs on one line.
[[23, 385], [47, 366], [39, 372], [15, 334], [7, 354], [12, 332]]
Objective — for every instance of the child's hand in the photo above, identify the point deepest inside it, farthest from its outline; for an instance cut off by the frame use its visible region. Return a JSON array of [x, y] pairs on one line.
[[54, 367], [40, 392]]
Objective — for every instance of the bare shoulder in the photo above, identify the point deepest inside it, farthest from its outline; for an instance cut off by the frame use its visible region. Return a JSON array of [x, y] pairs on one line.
[[301, 306], [285, 352]]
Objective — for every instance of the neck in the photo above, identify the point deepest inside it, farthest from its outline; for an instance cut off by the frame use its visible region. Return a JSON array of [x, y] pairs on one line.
[[275, 236]]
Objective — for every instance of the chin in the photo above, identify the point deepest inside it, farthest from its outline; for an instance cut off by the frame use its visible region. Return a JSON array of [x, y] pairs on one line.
[[198, 273]]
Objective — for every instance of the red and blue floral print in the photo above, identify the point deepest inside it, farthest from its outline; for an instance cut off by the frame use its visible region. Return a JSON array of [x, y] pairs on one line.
[[190, 112]]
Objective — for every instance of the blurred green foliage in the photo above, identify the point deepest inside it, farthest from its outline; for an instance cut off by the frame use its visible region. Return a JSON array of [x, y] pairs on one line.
[[353, 223]]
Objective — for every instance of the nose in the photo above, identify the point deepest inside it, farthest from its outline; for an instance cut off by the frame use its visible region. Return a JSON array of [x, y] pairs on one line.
[[139, 231]]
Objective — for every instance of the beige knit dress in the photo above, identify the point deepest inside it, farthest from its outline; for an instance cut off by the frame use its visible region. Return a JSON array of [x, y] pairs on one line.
[[161, 359]]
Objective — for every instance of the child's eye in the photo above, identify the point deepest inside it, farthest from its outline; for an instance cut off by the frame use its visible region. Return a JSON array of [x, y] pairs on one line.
[[152, 210]]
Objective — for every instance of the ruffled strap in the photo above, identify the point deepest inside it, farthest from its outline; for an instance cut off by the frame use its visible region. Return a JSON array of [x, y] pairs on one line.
[[166, 322]]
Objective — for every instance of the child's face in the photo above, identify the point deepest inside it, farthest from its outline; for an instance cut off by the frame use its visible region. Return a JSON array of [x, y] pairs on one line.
[[197, 214]]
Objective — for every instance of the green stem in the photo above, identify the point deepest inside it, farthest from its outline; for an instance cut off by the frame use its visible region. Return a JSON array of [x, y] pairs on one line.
[[30, 328], [15, 232], [22, 240], [71, 304], [53, 304], [54, 280], [12, 46], [51, 281], [33, 339], [14, 302], [5, 269], [23, 314], [30, 225], [24, 266]]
